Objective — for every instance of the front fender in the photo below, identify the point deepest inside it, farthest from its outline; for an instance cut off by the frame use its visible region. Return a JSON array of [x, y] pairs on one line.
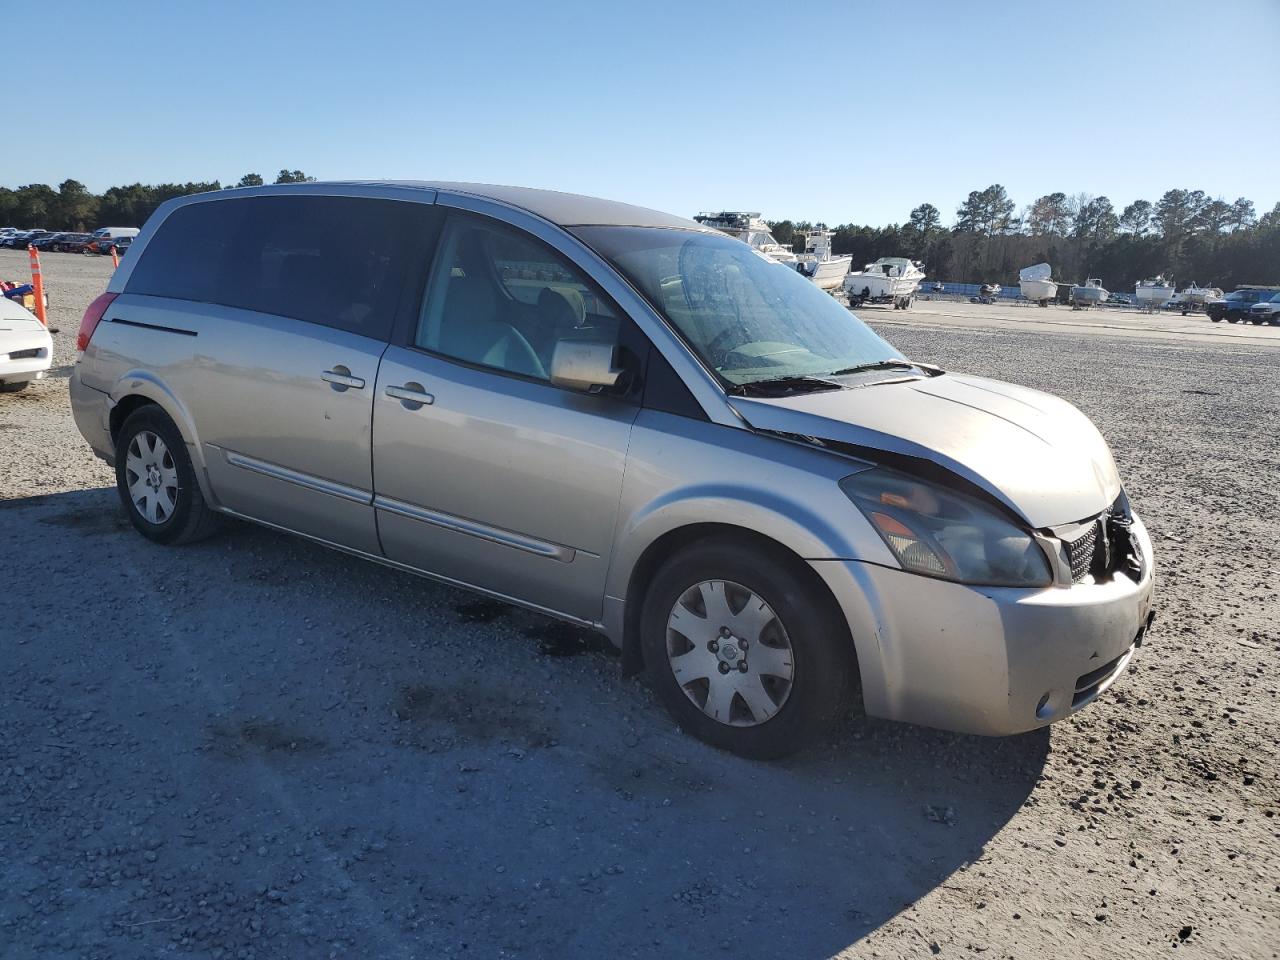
[[683, 473]]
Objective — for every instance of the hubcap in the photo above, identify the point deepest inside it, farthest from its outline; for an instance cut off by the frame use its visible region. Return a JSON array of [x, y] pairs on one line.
[[152, 477], [730, 653]]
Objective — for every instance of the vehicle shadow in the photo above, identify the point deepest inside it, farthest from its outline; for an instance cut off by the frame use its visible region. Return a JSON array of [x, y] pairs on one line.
[[424, 770]]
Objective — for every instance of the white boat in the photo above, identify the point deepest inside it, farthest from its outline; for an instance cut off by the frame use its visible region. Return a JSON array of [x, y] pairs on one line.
[[1155, 292], [1089, 293], [819, 264], [889, 279], [750, 229], [1036, 284], [1195, 297]]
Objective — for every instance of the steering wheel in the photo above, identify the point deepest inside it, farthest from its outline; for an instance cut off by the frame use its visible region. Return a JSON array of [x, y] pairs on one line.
[[714, 346]]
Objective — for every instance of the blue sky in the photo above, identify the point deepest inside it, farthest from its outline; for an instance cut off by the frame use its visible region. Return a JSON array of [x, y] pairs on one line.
[[826, 111]]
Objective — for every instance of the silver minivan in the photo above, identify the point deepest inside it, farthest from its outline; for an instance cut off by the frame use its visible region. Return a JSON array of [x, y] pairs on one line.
[[628, 421]]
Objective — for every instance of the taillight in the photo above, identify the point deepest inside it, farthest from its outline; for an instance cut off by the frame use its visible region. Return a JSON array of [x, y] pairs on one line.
[[97, 307]]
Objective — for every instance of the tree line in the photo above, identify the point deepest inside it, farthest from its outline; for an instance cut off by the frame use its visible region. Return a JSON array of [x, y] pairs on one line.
[[73, 207], [1186, 235]]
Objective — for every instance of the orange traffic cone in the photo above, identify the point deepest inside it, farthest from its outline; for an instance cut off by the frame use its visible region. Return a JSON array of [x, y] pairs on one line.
[[37, 284]]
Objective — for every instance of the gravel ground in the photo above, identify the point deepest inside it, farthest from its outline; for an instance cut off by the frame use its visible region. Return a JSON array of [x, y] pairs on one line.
[[253, 747]]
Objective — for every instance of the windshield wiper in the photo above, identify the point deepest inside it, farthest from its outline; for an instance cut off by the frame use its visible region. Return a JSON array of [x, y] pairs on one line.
[[796, 384], [889, 365]]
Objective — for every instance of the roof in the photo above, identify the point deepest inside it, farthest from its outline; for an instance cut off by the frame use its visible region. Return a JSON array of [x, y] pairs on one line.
[[563, 209]]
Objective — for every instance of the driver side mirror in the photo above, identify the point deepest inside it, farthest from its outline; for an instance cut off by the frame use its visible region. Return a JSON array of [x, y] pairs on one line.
[[584, 365]]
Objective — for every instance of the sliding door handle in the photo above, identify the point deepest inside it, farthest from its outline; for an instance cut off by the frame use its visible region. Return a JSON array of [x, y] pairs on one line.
[[341, 379], [412, 396]]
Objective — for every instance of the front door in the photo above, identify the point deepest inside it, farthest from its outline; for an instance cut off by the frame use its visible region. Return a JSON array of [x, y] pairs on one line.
[[485, 473]]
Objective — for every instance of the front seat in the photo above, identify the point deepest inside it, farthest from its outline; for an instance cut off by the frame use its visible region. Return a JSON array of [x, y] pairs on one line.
[[561, 311], [470, 330]]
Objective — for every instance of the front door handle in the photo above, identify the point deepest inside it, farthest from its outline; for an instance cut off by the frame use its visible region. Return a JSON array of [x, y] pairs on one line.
[[341, 379], [412, 396]]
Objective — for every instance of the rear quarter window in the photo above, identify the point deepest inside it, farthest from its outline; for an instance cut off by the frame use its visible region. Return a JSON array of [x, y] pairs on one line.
[[340, 262]]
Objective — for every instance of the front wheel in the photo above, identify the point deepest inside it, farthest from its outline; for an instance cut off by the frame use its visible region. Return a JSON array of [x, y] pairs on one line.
[[156, 481], [14, 387], [747, 652]]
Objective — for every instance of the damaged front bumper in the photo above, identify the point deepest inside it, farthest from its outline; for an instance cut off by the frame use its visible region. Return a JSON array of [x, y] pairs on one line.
[[988, 660]]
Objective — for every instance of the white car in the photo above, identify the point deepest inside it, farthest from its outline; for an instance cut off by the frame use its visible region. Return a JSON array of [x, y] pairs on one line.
[[1266, 311], [26, 349]]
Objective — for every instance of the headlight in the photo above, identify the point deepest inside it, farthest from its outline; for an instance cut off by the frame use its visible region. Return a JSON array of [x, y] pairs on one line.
[[939, 533]]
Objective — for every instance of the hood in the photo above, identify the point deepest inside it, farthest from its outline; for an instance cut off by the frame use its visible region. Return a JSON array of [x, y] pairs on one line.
[[13, 316], [1037, 454]]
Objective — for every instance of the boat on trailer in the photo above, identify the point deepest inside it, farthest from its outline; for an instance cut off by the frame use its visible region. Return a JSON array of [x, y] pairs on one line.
[[1036, 283], [1195, 297], [819, 264], [1154, 292], [1088, 294], [889, 280]]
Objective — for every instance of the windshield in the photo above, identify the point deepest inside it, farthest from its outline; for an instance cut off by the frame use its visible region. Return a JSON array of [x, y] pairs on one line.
[[748, 319]]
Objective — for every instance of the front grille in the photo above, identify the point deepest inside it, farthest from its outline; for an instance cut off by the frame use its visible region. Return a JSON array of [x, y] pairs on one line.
[[1082, 551], [1102, 546], [24, 354]]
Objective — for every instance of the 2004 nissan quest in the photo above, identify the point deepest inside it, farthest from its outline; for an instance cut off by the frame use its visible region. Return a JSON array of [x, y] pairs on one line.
[[628, 421]]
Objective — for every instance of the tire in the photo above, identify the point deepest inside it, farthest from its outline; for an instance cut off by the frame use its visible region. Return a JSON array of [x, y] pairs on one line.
[[1233, 316], [1215, 318], [171, 509], [15, 387], [800, 627]]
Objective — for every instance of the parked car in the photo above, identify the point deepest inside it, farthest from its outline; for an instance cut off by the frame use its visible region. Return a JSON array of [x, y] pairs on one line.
[[72, 243], [1266, 311], [102, 245], [1120, 299], [26, 349], [1235, 306], [21, 239], [47, 241], [628, 421]]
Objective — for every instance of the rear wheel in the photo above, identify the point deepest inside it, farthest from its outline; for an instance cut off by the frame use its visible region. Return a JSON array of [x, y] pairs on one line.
[[14, 387], [746, 652], [156, 481]]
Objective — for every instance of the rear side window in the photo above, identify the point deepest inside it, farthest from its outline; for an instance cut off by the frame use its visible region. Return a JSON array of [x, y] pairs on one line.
[[339, 262]]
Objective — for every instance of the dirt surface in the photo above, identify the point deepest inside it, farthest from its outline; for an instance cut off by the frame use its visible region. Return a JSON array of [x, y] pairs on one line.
[[256, 748]]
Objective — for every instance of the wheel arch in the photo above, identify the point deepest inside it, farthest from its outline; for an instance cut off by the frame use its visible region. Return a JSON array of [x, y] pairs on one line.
[[682, 537], [138, 389]]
